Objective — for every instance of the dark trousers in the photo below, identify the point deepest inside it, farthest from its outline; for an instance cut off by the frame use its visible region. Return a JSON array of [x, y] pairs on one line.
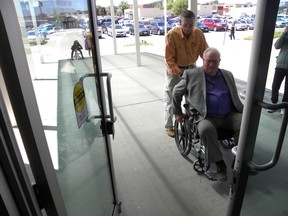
[[232, 33], [279, 76], [209, 137]]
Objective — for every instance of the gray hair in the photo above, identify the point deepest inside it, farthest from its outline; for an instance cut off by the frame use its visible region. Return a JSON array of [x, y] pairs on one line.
[[211, 49]]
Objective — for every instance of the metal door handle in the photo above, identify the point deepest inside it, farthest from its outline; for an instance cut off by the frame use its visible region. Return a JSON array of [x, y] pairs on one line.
[[281, 136], [111, 117]]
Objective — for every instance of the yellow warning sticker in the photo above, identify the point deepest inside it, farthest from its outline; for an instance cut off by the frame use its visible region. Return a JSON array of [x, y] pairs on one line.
[[80, 104]]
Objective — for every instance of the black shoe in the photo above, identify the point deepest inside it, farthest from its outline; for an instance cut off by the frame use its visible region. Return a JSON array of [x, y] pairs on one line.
[[221, 171], [272, 111]]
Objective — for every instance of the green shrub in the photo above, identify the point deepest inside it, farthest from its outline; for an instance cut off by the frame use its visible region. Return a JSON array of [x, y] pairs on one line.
[[142, 43], [276, 35], [34, 43]]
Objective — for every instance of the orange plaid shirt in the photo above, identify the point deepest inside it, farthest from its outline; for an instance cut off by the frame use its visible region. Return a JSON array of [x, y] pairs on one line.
[[183, 51]]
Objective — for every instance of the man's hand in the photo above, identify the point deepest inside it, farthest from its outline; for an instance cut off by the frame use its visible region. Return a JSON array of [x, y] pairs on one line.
[[175, 71], [179, 117]]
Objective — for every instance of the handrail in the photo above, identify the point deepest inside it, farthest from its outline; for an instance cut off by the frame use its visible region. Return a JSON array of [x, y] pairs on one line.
[[281, 136]]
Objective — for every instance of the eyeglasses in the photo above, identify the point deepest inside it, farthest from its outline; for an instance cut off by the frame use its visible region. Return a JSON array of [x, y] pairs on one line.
[[212, 61]]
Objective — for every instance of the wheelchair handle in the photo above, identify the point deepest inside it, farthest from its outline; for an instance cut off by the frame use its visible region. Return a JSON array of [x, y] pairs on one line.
[[281, 136]]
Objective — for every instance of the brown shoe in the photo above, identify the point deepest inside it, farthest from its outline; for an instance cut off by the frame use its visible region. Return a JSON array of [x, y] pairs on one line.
[[170, 132]]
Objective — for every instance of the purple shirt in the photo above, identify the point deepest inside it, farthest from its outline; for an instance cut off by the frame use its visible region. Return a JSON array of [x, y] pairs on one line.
[[218, 99]]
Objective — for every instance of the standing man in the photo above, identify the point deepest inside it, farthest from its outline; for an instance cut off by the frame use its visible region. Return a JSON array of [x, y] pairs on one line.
[[184, 45], [281, 70]]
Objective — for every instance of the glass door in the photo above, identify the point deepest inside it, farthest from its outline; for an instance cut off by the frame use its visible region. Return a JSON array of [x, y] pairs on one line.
[[259, 184], [69, 163]]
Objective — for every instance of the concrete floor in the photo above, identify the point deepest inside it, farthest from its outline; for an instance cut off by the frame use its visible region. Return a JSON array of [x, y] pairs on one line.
[[152, 177]]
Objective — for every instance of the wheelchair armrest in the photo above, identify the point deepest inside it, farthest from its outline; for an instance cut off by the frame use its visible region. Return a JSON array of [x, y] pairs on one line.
[[190, 111]]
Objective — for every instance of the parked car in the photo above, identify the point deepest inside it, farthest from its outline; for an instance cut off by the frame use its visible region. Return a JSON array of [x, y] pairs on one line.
[[249, 23], [147, 24], [215, 24], [238, 25], [142, 30], [127, 27], [32, 36], [119, 31], [87, 30], [175, 24], [280, 23], [104, 26], [159, 28], [202, 27]]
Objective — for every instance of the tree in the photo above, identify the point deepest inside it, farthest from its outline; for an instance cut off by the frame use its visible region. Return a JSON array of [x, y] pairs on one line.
[[179, 6], [159, 5], [123, 5], [100, 11], [170, 4]]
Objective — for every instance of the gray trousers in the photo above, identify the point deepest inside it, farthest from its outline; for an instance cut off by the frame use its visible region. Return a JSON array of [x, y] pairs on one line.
[[209, 137], [170, 82]]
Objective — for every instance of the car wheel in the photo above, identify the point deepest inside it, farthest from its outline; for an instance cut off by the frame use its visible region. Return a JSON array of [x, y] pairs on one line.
[[215, 28]]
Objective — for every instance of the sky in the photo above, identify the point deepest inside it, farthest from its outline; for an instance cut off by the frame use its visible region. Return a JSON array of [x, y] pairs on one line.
[[106, 3]]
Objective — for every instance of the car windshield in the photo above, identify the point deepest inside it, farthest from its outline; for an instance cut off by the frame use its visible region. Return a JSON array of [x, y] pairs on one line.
[[218, 21], [31, 33], [161, 23], [118, 27], [141, 26]]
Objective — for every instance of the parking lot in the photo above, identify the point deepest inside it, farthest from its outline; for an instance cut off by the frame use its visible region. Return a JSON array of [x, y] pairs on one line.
[[235, 53]]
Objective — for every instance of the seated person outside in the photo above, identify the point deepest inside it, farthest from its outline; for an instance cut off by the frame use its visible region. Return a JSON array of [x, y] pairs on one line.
[[213, 93], [76, 46]]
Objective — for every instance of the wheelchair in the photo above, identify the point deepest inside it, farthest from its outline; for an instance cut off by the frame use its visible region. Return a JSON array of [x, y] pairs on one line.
[[188, 141]]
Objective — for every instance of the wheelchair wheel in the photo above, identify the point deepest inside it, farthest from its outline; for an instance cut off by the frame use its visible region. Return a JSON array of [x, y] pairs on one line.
[[182, 137], [199, 166]]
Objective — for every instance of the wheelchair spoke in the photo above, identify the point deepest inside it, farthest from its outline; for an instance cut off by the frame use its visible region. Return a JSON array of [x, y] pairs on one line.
[[181, 138]]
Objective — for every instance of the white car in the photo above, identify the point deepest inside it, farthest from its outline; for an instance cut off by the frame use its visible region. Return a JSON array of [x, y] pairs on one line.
[[119, 31], [238, 25], [87, 30], [32, 37], [127, 27]]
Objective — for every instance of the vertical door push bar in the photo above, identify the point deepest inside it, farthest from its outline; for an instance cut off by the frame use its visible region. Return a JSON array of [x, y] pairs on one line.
[[111, 118], [281, 136]]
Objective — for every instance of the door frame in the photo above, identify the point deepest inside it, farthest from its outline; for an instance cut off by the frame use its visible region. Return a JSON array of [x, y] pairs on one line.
[[18, 82], [266, 13]]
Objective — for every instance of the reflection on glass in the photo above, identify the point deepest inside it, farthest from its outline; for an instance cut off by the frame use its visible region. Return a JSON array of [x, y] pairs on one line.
[[79, 156]]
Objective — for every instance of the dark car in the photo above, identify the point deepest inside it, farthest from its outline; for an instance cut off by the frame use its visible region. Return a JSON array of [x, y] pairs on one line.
[[142, 30], [215, 24], [158, 28], [202, 27], [104, 27]]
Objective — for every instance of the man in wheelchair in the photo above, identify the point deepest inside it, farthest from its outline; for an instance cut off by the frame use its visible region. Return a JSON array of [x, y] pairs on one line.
[[213, 93]]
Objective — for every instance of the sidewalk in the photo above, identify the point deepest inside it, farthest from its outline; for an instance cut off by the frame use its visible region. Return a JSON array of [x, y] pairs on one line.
[[152, 177]]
